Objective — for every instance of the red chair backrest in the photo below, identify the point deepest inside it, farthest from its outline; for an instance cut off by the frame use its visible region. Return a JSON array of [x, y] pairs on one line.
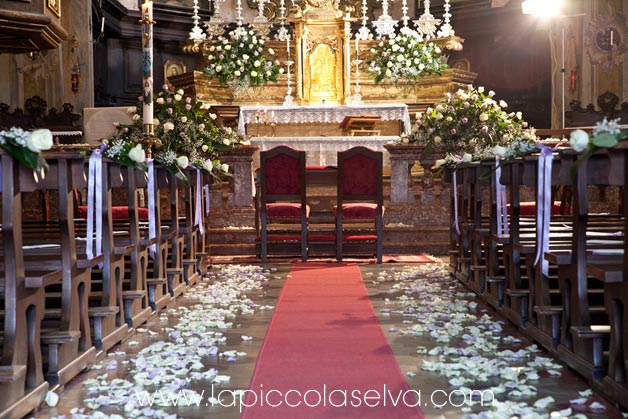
[[360, 172]]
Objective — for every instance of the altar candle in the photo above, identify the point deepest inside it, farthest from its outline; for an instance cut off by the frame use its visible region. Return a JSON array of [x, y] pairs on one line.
[[272, 117], [611, 37], [356, 45], [147, 65], [288, 45]]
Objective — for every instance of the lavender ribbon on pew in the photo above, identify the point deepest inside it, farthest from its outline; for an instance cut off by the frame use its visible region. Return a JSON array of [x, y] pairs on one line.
[[94, 204], [206, 189], [152, 214], [543, 205], [455, 191], [502, 201], [198, 216]]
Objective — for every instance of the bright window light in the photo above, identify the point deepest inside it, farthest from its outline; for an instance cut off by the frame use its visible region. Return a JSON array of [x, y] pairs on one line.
[[541, 7]]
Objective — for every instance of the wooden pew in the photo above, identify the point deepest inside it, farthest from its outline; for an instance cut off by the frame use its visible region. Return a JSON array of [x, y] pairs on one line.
[[582, 307], [22, 384]]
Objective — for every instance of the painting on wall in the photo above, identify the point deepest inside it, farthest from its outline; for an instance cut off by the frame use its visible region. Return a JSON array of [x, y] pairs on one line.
[[55, 6]]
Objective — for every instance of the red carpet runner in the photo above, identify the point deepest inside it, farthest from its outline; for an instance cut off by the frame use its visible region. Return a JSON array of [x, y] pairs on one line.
[[326, 354]]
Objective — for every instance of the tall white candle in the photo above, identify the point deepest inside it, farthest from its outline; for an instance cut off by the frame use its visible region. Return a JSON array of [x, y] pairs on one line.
[[288, 45], [356, 45], [147, 67]]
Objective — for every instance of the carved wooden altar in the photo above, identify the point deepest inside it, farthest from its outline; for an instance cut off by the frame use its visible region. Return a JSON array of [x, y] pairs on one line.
[[323, 70]]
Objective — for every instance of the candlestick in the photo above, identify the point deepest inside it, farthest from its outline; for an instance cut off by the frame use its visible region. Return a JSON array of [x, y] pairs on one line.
[[239, 12], [147, 50]]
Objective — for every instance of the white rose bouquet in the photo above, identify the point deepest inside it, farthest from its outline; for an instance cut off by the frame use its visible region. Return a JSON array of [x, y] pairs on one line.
[[407, 57], [27, 146], [241, 58]]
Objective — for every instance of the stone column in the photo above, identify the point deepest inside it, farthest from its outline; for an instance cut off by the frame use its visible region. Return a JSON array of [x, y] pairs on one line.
[[402, 158], [240, 160]]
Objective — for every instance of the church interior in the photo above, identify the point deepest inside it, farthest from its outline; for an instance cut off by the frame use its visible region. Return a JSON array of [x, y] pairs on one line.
[[313, 209]]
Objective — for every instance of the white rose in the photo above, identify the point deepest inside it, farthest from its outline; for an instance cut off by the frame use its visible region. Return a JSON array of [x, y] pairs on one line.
[[39, 140], [204, 148], [180, 92], [579, 140], [183, 161], [227, 47], [271, 51], [226, 141], [224, 167], [388, 73], [467, 158], [405, 140], [281, 70], [499, 151], [519, 115], [256, 63], [481, 89], [449, 119], [483, 117], [503, 104], [237, 73], [177, 97], [131, 110], [213, 116], [491, 93], [208, 165], [253, 73], [168, 126], [418, 115], [136, 117], [205, 106], [184, 119], [439, 116], [155, 121], [137, 154], [160, 101], [218, 68], [437, 140]]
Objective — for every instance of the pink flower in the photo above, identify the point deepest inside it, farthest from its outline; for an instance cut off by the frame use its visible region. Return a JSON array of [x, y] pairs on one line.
[[169, 110], [484, 129], [188, 107], [188, 100], [453, 131], [465, 120]]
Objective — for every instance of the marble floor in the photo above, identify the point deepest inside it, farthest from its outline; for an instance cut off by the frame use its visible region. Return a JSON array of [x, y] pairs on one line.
[[385, 303]]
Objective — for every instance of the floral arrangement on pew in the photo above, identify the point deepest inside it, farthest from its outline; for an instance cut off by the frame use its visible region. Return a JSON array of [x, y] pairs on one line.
[[605, 134], [240, 60], [26, 146], [471, 125], [405, 56], [187, 133]]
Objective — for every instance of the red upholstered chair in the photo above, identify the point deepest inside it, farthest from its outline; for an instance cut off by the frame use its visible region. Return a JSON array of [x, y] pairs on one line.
[[360, 196], [282, 184]]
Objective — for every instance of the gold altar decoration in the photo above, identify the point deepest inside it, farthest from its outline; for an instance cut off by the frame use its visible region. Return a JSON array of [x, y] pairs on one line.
[[323, 53]]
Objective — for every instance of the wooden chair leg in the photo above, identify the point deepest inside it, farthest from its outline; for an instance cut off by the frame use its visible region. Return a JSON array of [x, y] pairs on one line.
[[264, 239], [303, 239], [339, 237]]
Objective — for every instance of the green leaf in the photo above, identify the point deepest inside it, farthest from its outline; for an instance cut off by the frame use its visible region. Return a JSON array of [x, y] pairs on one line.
[[605, 140]]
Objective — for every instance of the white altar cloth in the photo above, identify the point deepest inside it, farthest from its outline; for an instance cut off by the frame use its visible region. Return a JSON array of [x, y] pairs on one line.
[[323, 114], [323, 151]]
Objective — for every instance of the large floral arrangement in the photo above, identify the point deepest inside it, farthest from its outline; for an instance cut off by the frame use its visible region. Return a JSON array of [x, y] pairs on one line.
[[26, 146], [405, 56], [186, 130], [241, 59], [469, 121]]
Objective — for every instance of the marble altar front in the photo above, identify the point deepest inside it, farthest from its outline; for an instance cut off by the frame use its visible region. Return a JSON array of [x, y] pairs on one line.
[[323, 151]]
